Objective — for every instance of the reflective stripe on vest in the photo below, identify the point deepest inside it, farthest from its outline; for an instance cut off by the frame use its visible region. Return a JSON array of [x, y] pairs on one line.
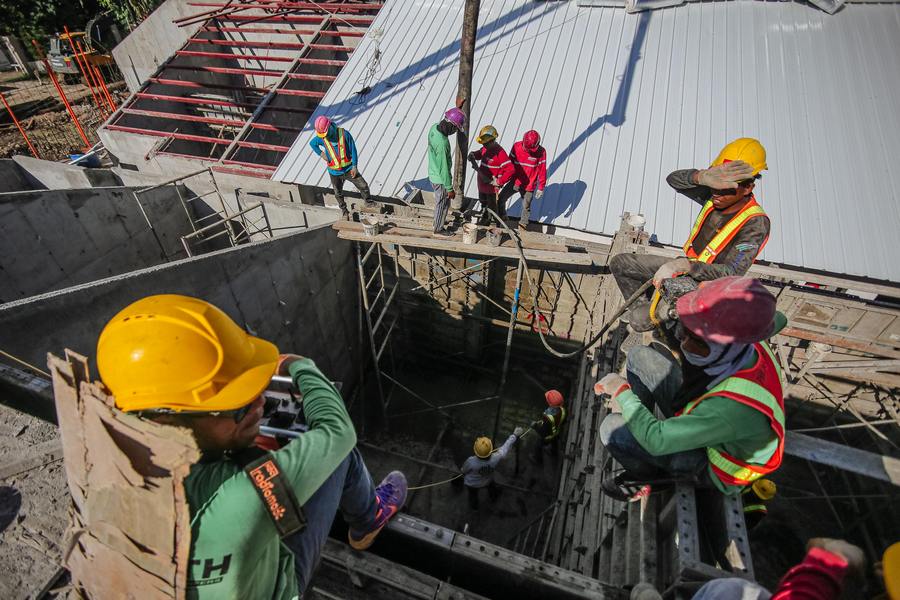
[[758, 387], [554, 424], [725, 235], [339, 160], [756, 508]]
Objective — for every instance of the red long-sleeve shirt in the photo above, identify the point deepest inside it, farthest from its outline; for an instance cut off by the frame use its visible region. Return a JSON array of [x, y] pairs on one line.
[[493, 163], [531, 169], [819, 577]]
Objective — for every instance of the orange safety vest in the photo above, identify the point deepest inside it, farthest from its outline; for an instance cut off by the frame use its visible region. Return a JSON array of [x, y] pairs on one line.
[[758, 387], [725, 235], [337, 160]]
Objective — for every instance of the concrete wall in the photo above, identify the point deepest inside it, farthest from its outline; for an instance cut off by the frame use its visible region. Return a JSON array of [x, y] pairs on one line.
[[153, 41], [298, 291], [12, 177], [52, 239]]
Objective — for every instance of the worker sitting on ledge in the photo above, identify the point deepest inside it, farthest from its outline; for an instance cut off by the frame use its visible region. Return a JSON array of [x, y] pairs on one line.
[[723, 407], [259, 519], [729, 233], [478, 470]]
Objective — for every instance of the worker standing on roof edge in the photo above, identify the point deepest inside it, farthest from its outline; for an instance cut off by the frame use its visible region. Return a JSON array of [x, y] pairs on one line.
[[336, 147], [549, 425], [723, 407], [728, 234], [440, 163], [478, 470], [496, 183], [259, 519], [529, 161]]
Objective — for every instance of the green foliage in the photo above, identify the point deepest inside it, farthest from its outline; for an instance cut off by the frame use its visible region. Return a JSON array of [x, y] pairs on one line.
[[40, 19], [129, 12]]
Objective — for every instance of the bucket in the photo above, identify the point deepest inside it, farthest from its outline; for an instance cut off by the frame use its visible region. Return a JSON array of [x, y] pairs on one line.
[[370, 227], [495, 236], [470, 233]]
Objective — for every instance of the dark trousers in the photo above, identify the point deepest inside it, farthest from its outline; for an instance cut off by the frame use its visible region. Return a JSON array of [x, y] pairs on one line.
[[337, 182], [493, 491], [656, 379], [497, 202], [539, 449]]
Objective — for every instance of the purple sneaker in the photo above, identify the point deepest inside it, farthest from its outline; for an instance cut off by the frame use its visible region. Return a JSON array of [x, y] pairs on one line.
[[390, 496]]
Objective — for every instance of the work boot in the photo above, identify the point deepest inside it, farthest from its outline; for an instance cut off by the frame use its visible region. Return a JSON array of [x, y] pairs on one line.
[[345, 214], [390, 496]]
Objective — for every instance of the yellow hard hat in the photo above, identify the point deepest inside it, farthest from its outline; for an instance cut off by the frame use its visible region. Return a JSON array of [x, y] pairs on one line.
[[483, 447], [487, 134], [748, 150], [177, 353], [764, 488], [890, 564]]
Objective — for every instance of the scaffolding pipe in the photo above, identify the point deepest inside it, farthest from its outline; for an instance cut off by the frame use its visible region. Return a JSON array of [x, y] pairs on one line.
[[232, 56], [286, 18], [170, 134], [80, 67], [201, 85], [62, 95], [92, 78], [18, 126], [275, 30], [509, 336], [102, 81], [198, 101], [228, 70]]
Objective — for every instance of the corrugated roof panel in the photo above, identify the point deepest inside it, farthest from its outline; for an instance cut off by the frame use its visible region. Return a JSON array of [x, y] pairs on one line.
[[623, 99]]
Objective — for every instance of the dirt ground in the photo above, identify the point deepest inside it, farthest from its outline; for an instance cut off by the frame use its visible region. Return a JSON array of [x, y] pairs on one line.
[[33, 502]]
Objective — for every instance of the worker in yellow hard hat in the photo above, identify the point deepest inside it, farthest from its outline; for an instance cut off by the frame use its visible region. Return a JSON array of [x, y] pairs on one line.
[[496, 174], [259, 519], [478, 470], [727, 236]]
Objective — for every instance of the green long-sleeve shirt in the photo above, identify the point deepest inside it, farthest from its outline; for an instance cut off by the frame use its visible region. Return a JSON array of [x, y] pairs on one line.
[[235, 549], [718, 422], [439, 161]]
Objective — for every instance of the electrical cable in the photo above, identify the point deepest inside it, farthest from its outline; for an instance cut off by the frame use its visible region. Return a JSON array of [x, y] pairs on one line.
[[22, 362], [422, 487], [532, 287]]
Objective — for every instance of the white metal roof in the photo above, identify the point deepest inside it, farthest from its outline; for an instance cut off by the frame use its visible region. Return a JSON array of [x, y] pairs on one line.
[[623, 99]]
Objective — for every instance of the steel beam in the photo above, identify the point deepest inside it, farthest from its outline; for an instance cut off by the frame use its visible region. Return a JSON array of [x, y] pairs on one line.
[[308, 20], [182, 117], [303, 93], [191, 100], [249, 164], [339, 8], [276, 31], [876, 466], [232, 56], [228, 70], [170, 134], [187, 83]]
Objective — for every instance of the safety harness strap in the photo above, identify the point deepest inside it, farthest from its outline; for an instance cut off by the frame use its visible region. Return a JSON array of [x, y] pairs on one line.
[[276, 495]]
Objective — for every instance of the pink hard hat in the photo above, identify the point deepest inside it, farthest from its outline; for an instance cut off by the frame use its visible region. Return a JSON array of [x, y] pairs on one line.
[[322, 125], [729, 310], [531, 139], [554, 397], [457, 117]]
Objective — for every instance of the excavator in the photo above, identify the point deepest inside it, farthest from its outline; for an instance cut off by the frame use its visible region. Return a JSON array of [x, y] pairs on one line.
[[99, 36]]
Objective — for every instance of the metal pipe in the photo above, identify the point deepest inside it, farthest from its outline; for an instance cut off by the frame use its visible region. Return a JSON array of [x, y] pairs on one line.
[[18, 126], [62, 95], [287, 18], [303, 93], [509, 336], [80, 67], [198, 84], [230, 56], [199, 101], [182, 117], [91, 77], [169, 134], [223, 222]]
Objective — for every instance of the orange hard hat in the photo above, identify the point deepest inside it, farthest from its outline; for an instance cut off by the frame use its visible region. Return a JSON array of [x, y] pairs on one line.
[[554, 397]]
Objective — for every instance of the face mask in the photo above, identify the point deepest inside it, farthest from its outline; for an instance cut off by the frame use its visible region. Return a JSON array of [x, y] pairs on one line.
[[715, 352]]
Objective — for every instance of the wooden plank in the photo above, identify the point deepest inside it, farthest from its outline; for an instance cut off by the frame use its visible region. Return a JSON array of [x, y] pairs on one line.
[[841, 342], [869, 464], [37, 455]]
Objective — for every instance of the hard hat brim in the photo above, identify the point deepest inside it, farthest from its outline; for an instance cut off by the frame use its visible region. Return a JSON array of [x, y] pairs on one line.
[[484, 139], [247, 386]]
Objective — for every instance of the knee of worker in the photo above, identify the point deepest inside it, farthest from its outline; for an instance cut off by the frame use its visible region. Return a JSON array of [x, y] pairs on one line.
[[647, 366], [731, 587], [613, 430]]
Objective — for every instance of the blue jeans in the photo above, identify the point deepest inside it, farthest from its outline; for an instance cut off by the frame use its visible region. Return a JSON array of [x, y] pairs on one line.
[[655, 378], [350, 489], [731, 588]]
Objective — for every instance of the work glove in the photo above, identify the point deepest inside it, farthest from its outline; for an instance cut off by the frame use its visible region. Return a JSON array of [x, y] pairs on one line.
[[285, 361], [856, 559], [673, 268], [612, 384], [353, 173], [494, 182], [518, 431], [725, 176], [538, 194]]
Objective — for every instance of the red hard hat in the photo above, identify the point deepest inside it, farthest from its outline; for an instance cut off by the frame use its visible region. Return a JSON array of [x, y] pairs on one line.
[[729, 310], [554, 397], [531, 139]]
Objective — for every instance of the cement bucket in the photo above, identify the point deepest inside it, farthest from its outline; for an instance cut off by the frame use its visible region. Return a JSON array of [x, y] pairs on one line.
[[470, 233], [370, 227]]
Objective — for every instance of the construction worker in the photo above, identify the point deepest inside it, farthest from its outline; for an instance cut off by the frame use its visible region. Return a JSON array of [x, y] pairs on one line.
[[496, 183], [724, 410], [728, 234], [529, 160], [549, 425], [821, 576], [755, 497], [259, 519], [336, 147], [478, 470], [440, 163]]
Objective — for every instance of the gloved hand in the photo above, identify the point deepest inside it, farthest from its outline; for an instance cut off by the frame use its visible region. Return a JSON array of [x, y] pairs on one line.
[[856, 559], [611, 384], [536, 424], [538, 194], [673, 268], [518, 431], [725, 176], [285, 361]]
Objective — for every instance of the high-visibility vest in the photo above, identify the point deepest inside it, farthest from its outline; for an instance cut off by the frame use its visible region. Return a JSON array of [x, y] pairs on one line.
[[555, 415], [337, 160], [725, 235], [758, 387]]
